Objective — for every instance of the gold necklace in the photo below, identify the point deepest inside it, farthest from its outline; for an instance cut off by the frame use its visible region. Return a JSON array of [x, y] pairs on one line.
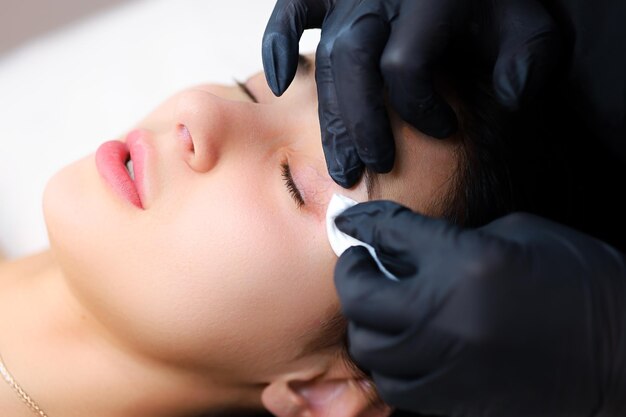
[[20, 392]]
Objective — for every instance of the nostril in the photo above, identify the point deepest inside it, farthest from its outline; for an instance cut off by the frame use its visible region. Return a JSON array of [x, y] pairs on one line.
[[185, 137]]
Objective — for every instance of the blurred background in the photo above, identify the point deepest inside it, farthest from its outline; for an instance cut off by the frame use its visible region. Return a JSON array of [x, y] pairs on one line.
[[21, 20], [74, 74]]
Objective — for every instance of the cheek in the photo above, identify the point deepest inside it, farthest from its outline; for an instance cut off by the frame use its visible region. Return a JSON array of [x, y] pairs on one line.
[[226, 276], [250, 278], [75, 207]]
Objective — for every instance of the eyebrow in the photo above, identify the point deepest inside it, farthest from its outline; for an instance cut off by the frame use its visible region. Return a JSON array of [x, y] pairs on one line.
[[370, 177], [372, 185], [305, 66]]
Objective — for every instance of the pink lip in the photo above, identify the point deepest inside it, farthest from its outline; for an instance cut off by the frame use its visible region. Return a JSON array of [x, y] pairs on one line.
[[137, 144], [111, 160]]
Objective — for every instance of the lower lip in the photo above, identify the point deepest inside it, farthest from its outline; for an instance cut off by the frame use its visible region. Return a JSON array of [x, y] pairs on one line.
[[111, 160]]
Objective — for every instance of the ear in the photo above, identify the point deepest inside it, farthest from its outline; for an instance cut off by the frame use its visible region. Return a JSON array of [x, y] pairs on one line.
[[321, 397]]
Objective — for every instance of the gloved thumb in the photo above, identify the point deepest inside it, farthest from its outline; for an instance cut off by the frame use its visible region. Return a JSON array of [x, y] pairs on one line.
[[528, 52], [280, 49], [368, 297], [400, 236]]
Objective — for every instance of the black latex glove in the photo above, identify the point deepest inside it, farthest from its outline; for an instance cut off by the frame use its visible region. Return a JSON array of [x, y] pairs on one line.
[[522, 317], [369, 46]]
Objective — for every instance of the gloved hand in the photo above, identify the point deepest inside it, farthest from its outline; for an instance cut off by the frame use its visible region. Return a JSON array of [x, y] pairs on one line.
[[367, 46], [522, 317]]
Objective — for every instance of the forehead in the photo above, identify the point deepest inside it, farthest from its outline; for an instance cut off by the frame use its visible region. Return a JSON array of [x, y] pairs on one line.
[[424, 172]]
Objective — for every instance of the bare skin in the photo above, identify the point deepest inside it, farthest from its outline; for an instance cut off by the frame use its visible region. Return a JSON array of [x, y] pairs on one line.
[[142, 321]]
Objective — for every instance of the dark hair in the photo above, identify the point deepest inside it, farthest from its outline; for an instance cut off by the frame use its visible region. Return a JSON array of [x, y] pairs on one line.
[[509, 160], [541, 159], [483, 188]]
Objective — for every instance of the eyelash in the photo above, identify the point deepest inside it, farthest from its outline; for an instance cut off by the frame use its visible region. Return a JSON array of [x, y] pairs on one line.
[[244, 88], [291, 185]]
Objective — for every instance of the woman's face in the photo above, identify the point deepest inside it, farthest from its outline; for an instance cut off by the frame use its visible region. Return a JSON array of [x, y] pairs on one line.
[[224, 268]]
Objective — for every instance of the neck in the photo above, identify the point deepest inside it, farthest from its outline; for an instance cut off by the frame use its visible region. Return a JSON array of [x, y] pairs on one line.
[[70, 365]]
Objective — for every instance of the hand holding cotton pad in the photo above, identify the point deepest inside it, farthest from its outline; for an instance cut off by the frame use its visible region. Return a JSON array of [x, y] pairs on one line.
[[340, 241]]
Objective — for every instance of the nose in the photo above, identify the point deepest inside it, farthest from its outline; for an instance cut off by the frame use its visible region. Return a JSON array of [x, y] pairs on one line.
[[205, 125]]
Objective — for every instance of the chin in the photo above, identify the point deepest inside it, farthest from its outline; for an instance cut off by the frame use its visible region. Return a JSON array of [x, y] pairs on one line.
[[75, 209], [83, 219]]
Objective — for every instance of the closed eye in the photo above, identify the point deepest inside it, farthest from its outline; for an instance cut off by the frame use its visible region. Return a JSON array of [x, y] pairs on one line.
[[244, 88], [291, 185]]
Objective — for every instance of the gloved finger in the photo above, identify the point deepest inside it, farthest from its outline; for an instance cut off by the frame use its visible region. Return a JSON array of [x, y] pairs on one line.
[[398, 235], [369, 298], [515, 225], [528, 52], [432, 399], [408, 63], [373, 350], [342, 159], [425, 349], [355, 60], [518, 228], [281, 39]]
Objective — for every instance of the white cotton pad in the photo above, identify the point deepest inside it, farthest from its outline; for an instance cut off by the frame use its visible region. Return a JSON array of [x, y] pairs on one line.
[[340, 241]]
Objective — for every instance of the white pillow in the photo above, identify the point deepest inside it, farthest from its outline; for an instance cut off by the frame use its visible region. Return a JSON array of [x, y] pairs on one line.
[[65, 93]]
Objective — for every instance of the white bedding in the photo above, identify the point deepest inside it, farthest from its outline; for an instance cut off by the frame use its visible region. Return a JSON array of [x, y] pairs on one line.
[[65, 93]]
